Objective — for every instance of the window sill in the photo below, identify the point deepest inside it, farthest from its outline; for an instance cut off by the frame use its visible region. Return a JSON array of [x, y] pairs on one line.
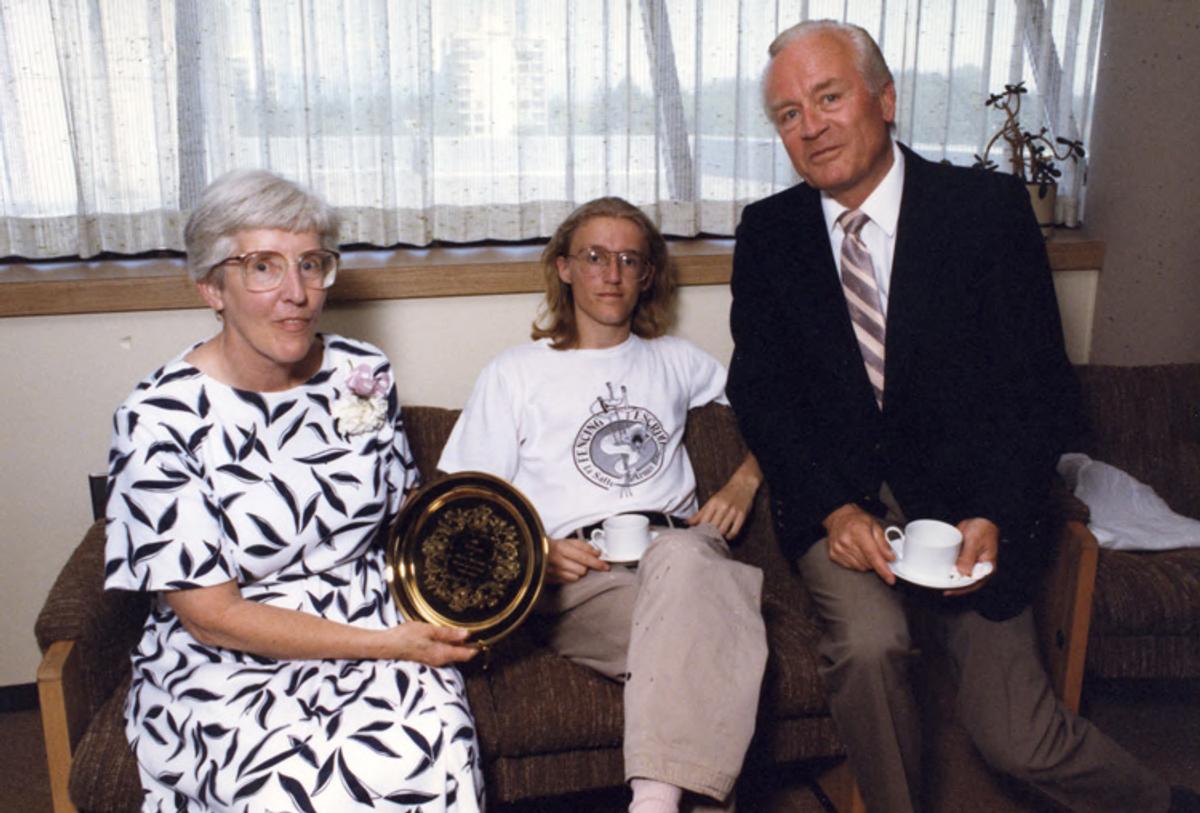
[[141, 285]]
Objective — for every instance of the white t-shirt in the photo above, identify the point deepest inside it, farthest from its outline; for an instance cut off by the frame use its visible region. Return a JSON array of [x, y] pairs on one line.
[[586, 434]]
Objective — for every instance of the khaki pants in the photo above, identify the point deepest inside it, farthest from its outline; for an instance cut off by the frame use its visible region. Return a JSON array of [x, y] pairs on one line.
[[684, 631], [1004, 701]]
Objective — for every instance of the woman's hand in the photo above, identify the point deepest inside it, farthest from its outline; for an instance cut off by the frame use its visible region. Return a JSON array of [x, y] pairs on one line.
[[728, 508], [429, 644], [570, 560]]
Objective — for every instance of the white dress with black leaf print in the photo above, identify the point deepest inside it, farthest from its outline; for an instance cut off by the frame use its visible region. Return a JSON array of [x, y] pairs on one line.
[[209, 483]]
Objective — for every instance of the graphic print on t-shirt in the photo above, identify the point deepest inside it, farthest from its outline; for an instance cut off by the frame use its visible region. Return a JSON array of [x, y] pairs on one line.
[[619, 445]]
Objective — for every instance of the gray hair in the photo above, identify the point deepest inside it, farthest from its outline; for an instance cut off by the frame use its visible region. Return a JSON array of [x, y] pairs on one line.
[[247, 199], [872, 67]]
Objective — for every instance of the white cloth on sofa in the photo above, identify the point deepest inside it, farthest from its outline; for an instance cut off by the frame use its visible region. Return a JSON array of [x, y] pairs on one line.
[[1126, 514]]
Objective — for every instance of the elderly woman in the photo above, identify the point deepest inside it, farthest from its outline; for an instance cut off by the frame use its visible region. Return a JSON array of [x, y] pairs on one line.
[[252, 480]]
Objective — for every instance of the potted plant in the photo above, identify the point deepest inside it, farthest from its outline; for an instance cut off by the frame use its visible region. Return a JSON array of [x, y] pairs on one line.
[[1032, 155]]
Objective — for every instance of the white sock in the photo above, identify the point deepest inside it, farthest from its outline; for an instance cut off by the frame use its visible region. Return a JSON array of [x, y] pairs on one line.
[[651, 796]]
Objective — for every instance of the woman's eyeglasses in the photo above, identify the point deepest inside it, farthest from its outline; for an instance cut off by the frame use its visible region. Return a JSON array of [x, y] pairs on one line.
[[265, 270]]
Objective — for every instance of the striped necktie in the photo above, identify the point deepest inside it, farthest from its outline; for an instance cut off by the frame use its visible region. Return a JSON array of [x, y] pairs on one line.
[[862, 298]]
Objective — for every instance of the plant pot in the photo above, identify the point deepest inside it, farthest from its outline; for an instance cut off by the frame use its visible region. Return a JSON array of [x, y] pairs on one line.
[[1043, 205]]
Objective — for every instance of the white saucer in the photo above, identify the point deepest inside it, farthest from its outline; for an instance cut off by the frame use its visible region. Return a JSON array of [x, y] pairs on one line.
[[627, 562], [948, 581]]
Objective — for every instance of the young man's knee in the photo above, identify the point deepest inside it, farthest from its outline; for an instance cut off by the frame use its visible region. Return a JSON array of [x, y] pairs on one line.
[[687, 545]]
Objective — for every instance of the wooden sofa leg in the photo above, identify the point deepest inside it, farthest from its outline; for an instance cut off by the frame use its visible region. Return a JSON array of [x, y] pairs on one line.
[[838, 784], [62, 716]]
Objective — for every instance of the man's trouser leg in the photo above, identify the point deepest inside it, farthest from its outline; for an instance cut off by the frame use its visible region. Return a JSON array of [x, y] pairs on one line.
[[1007, 706], [865, 658], [693, 653]]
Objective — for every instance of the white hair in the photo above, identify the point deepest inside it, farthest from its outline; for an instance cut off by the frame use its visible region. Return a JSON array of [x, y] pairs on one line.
[[872, 67], [247, 199]]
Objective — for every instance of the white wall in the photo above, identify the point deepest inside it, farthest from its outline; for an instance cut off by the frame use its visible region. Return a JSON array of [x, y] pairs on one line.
[[64, 375], [1076, 292], [1142, 183]]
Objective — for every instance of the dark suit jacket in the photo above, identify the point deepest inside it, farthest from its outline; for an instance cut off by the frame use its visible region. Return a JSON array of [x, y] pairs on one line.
[[979, 394]]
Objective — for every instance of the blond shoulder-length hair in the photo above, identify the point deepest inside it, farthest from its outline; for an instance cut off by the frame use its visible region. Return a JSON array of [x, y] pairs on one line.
[[652, 315]]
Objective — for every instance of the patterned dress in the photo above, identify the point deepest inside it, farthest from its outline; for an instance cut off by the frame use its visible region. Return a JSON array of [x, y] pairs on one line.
[[290, 494]]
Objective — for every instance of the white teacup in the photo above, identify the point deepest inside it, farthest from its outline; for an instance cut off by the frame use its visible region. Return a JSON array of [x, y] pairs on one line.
[[926, 546], [622, 538]]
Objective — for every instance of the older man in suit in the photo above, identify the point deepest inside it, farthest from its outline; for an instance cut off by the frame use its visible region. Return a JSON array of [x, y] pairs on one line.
[[898, 354]]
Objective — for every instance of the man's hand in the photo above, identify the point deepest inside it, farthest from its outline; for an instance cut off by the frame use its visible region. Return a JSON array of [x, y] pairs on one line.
[[727, 509], [856, 541], [570, 560], [981, 543]]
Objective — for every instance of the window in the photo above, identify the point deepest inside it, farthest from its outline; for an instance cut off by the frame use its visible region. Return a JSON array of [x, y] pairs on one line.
[[463, 120]]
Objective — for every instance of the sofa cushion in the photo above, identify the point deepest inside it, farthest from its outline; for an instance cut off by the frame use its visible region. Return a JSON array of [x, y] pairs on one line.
[[545, 704], [1161, 656], [1148, 592], [104, 624], [791, 688], [1146, 615]]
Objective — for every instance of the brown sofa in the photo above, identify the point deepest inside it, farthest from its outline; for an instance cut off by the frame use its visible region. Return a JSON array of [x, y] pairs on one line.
[[533, 748], [1146, 616]]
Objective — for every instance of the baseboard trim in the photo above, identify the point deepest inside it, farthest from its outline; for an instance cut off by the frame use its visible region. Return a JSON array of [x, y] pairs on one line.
[[19, 697]]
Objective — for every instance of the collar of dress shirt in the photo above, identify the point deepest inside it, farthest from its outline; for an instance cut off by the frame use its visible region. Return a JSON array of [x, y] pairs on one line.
[[882, 205]]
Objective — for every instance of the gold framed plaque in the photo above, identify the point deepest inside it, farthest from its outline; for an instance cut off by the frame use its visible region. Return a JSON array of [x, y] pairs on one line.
[[468, 551]]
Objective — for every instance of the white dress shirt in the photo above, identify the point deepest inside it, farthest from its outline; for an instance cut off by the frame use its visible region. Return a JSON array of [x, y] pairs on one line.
[[879, 234]]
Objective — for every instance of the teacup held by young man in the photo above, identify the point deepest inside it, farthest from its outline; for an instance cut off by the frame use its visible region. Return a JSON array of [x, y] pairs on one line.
[[622, 538]]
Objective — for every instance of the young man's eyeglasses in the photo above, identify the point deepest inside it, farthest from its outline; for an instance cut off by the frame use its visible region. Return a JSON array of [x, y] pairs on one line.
[[596, 260], [265, 270]]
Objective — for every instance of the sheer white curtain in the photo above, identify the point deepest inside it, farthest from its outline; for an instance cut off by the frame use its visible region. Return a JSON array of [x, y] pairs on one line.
[[464, 120]]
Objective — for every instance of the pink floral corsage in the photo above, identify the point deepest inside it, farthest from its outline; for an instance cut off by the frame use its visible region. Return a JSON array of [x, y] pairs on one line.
[[363, 406]]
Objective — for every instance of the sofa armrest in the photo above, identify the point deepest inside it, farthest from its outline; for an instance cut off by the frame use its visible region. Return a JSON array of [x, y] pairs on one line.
[[716, 448], [79, 608], [1063, 609], [64, 716], [103, 624], [78, 584]]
